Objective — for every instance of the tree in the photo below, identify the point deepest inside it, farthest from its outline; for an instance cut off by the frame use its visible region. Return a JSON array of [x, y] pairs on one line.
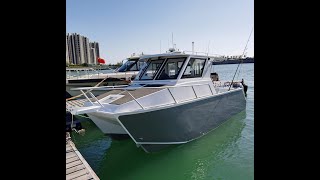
[[85, 64], [119, 64]]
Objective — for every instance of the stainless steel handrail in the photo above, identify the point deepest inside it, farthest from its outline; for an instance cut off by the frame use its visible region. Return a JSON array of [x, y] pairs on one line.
[[167, 87]]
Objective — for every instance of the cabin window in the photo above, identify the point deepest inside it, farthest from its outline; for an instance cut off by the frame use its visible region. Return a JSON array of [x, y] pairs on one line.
[[171, 69], [152, 69], [134, 66], [127, 66], [140, 64], [194, 68]]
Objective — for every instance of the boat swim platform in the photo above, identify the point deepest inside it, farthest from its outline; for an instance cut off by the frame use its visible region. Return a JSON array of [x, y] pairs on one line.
[[76, 166]]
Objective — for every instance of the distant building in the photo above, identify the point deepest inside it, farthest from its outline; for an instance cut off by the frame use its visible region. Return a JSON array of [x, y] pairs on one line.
[[93, 56], [80, 50], [95, 51], [67, 51]]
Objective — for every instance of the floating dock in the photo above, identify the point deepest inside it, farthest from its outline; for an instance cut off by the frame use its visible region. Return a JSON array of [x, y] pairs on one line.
[[76, 166]]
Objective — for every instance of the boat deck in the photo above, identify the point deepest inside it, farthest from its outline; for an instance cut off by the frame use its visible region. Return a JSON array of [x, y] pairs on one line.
[[76, 166], [75, 103], [136, 93]]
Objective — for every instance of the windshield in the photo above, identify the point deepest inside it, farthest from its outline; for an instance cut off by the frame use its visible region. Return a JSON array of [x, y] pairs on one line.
[[129, 65], [151, 69], [170, 69]]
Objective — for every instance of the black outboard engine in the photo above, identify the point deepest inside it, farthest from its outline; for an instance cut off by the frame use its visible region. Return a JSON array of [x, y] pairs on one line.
[[76, 122], [245, 87], [214, 76]]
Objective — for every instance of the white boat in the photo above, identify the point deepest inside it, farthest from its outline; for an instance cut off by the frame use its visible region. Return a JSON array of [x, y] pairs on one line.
[[93, 78], [172, 100]]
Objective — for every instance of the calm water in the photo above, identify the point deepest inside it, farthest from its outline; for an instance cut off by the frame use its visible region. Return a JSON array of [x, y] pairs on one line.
[[225, 153]]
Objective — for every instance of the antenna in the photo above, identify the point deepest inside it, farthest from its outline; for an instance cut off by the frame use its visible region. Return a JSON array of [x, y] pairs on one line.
[[208, 48], [192, 47], [160, 46], [172, 40], [210, 65], [241, 59]]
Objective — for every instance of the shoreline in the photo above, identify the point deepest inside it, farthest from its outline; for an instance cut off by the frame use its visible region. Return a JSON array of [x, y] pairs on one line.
[[234, 61]]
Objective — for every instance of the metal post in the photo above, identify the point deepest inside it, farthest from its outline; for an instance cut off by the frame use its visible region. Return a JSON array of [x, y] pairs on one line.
[[86, 97], [210, 89], [134, 99], [194, 92], [95, 98], [172, 96], [192, 47]]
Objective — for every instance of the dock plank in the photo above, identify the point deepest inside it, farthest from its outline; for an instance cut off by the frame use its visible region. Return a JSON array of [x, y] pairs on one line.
[[74, 163], [70, 155], [68, 148], [77, 174], [70, 160], [85, 177], [77, 167]]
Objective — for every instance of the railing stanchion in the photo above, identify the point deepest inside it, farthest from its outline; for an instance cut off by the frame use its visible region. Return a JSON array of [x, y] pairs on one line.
[[172, 96], [87, 97], [94, 97], [194, 92], [210, 88], [135, 99]]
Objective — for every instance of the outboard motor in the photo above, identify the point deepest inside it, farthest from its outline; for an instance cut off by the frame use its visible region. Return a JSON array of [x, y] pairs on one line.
[[245, 87], [76, 122], [214, 76]]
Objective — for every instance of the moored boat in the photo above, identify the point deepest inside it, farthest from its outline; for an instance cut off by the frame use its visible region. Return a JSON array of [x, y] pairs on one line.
[[173, 100]]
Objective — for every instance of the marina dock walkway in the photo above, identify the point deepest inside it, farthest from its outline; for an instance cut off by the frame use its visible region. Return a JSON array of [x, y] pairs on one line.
[[76, 166]]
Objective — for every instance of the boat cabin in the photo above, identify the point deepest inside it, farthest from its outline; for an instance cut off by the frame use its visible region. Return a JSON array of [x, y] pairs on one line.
[[173, 68]]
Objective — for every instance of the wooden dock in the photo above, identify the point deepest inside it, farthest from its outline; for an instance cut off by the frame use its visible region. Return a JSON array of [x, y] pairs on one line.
[[76, 166]]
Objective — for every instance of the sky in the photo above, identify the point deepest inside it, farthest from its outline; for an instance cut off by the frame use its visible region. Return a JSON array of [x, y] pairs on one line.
[[124, 27]]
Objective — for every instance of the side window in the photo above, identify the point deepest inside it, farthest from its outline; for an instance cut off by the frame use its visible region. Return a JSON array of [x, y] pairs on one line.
[[194, 68], [140, 64]]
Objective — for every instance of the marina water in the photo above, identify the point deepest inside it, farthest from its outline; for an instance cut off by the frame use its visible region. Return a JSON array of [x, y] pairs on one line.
[[225, 153]]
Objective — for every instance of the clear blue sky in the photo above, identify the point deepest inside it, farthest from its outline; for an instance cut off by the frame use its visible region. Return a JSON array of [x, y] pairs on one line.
[[123, 27]]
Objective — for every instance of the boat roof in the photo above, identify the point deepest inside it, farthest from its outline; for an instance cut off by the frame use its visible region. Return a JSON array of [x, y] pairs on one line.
[[175, 54], [80, 69], [133, 57]]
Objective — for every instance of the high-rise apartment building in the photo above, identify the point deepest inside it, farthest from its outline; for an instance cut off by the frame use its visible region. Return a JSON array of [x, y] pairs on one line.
[[94, 46], [79, 50], [67, 51]]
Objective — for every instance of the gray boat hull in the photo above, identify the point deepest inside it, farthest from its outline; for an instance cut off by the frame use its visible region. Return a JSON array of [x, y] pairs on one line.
[[155, 130]]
